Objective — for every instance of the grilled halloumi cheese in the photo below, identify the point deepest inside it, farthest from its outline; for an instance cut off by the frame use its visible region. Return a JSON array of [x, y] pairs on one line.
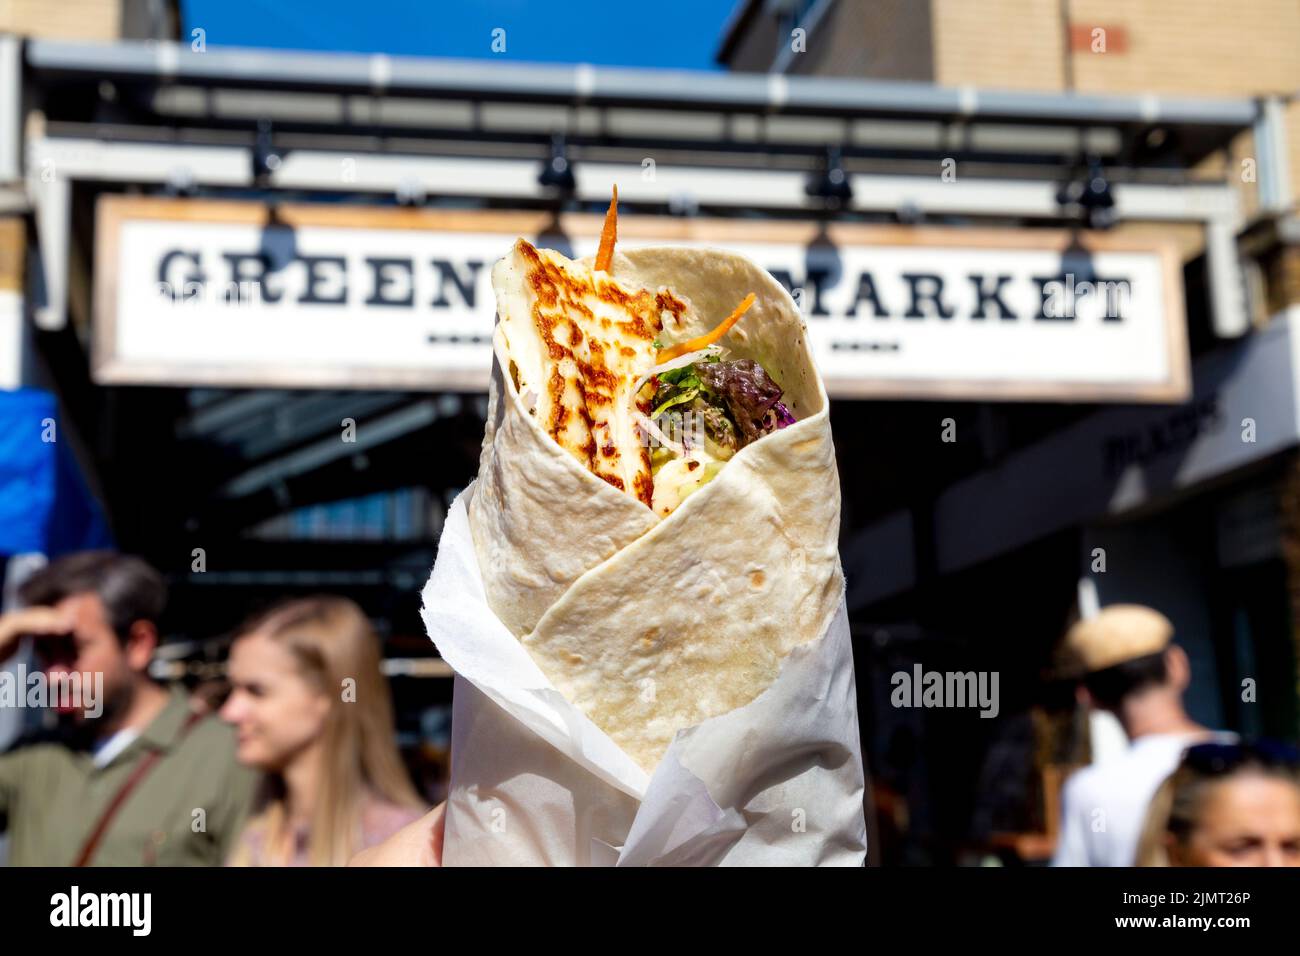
[[577, 342]]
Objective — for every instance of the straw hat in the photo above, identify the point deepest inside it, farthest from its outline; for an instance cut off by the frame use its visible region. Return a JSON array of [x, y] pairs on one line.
[[1117, 634]]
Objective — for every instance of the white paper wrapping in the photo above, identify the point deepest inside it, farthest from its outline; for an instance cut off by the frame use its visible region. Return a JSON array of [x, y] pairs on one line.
[[535, 782]]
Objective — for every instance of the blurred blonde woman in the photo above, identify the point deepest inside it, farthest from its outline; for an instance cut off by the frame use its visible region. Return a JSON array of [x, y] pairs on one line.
[[312, 711], [1226, 805]]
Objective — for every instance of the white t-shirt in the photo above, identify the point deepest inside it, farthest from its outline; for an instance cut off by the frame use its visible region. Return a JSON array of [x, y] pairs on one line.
[[1104, 806], [103, 752]]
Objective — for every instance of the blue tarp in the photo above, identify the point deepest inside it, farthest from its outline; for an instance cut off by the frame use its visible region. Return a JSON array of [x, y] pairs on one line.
[[45, 505]]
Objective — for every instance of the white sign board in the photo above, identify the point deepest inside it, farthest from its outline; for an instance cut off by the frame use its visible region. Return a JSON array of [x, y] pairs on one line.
[[197, 292]]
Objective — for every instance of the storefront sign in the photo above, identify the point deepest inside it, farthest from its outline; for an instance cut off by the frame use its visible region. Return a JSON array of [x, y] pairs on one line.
[[1245, 408], [201, 292]]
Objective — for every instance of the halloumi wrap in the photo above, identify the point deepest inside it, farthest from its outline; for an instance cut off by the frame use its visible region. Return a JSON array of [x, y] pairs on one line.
[[654, 600]]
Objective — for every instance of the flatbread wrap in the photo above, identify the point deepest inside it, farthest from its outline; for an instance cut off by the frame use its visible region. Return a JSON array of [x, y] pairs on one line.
[[657, 509]]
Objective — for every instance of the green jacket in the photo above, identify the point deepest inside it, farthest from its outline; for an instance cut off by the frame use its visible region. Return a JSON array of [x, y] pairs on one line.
[[53, 796]]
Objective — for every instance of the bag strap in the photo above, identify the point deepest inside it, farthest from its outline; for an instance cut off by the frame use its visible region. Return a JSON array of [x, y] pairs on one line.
[[141, 771]]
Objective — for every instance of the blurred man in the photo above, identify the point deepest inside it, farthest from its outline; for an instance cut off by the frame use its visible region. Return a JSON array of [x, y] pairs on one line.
[[1131, 669], [134, 776]]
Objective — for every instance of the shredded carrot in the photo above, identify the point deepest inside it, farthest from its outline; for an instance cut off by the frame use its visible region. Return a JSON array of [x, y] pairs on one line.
[[608, 235], [708, 338]]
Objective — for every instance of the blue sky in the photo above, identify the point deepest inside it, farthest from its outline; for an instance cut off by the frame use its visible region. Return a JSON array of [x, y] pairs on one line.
[[666, 33]]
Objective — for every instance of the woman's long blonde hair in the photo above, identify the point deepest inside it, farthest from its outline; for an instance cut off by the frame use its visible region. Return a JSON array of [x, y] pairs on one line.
[[333, 643], [1152, 848]]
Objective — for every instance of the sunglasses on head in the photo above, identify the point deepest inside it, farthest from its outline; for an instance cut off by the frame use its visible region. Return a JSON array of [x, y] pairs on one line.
[[1225, 758]]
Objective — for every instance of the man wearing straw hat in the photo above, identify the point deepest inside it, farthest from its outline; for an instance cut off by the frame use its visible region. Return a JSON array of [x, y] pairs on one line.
[[1128, 665]]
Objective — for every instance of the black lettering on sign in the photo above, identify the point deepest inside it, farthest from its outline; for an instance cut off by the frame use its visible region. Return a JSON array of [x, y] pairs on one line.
[[1173, 433], [251, 267], [177, 289], [816, 278], [384, 281], [867, 293], [316, 278], [465, 286], [983, 296], [932, 293], [1045, 297]]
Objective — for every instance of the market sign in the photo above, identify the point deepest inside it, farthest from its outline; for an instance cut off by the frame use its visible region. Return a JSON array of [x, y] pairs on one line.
[[234, 293]]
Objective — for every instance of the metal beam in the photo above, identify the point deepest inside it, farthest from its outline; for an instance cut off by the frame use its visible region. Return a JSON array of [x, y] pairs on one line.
[[517, 179], [1229, 310], [88, 158], [369, 434], [1214, 204], [1272, 161], [235, 411], [583, 83], [11, 112], [51, 195]]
